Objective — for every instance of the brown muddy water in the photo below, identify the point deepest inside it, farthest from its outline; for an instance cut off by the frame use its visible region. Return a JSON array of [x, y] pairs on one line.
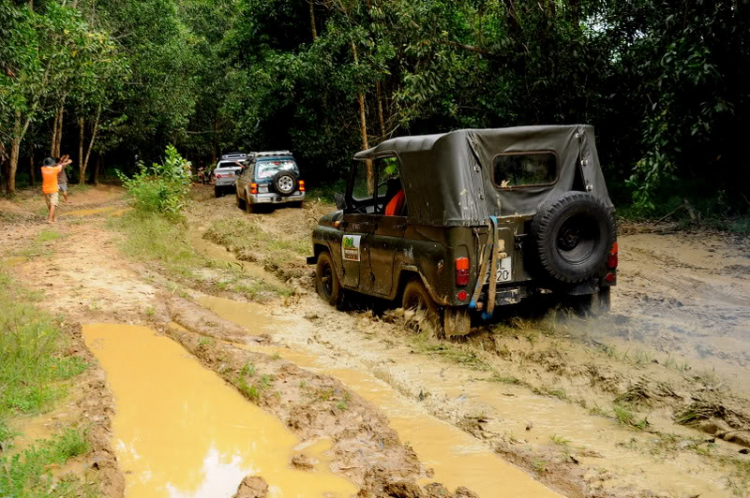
[[456, 458], [180, 431]]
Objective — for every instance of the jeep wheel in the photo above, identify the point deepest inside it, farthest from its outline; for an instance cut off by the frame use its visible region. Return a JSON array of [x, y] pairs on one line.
[[573, 236], [240, 202], [419, 306], [326, 280], [285, 182], [250, 208]]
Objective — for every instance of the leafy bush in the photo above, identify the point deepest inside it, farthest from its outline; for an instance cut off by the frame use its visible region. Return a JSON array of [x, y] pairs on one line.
[[161, 188]]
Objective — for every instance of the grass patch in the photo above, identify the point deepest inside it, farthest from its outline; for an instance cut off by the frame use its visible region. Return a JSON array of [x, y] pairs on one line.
[[150, 237], [624, 416], [28, 474], [245, 236], [468, 359], [33, 369]]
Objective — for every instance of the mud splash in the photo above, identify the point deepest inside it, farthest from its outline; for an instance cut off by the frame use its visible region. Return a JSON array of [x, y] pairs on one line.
[[180, 431]]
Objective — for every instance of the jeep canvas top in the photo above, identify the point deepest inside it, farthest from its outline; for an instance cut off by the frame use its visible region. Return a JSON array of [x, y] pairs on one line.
[[463, 222], [270, 178], [227, 171]]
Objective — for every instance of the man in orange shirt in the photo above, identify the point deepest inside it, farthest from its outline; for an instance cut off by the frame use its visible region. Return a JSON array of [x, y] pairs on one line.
[[50, 187]]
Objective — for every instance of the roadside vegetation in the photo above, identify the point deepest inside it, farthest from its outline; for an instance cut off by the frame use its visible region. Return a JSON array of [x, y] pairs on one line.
[[35, 375], [156, 232]]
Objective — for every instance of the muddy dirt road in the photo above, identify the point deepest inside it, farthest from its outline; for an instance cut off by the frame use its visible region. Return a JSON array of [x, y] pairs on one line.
[[230, 366]]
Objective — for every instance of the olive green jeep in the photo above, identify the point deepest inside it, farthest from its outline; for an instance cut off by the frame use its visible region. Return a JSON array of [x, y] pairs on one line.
[[461, 223]]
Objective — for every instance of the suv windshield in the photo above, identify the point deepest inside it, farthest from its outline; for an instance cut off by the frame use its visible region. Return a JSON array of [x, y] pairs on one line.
[[267, 168]]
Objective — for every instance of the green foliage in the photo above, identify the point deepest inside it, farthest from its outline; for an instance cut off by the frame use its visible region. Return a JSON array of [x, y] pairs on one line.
[[31, 360], [162, 188], [29, 474]]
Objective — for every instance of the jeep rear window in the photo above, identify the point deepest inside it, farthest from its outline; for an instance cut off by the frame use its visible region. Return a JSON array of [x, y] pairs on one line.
[[268, 168], [524, 169]]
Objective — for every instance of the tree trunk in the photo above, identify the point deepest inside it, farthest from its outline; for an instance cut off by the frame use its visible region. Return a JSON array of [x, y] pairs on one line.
[[81, 136], [32, 172], [94, 131], [59, 132], [14, 152], [363, 128], [312, 20], [216, 141], [97, 168], [54, 133], [380, 111]]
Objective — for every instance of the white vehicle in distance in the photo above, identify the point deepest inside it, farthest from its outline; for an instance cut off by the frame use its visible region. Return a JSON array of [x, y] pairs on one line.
[[227, 171]]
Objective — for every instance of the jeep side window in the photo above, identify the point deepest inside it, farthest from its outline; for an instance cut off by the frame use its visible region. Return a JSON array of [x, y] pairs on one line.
[[361, 191], [524, 169], [389, 186]]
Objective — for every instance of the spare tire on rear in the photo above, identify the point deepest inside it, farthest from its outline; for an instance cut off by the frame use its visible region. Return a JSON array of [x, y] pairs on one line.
[[285, 182], [573, 235]]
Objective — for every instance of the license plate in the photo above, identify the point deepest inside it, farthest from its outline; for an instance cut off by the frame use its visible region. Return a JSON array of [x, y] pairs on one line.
[[505, 270], [263, 189]]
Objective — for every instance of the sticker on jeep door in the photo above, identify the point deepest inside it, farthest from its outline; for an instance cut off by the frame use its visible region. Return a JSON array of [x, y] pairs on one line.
[[350, 247]]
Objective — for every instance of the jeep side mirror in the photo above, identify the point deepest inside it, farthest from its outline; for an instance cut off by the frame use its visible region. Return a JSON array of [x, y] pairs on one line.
[[340, 201]]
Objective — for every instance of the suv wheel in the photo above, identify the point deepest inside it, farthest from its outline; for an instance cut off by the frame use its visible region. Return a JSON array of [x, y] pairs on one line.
[[240, 201], [250, 208], [419, 306], [218, 192], [573, 234], [326, 280]]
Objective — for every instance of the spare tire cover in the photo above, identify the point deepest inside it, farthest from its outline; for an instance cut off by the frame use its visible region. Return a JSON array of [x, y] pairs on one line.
[[573, 235], [285, 182]]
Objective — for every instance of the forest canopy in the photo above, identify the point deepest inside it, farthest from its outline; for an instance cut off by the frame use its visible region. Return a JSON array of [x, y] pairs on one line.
[[665, 83]]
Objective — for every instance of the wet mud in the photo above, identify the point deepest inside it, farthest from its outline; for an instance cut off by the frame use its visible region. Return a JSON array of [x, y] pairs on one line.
[[198, 437]]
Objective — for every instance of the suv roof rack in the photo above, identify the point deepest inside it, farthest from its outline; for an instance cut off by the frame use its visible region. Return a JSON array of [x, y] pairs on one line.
[[234, 155], [273, 153]]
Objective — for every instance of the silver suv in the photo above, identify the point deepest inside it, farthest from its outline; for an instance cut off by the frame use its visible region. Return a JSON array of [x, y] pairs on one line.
[[227, 171], [270, 178]]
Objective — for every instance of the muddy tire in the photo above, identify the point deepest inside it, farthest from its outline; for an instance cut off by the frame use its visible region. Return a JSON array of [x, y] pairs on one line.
[[573, 235], [419, 306], [240, 202], [285, 183], [250, 208], [326, 280]]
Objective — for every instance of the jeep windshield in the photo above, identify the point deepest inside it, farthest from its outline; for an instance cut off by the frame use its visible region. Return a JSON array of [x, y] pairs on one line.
[[267, 168]]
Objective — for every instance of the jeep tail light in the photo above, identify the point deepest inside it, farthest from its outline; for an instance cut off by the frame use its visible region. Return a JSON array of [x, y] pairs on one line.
[[612, 260], [462, 271], [610, 277], [253, 188], [302, 185]]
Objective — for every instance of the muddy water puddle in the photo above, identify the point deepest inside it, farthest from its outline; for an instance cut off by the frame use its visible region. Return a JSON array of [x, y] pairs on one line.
[[456, 458], [180, 431], [253, 317]]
